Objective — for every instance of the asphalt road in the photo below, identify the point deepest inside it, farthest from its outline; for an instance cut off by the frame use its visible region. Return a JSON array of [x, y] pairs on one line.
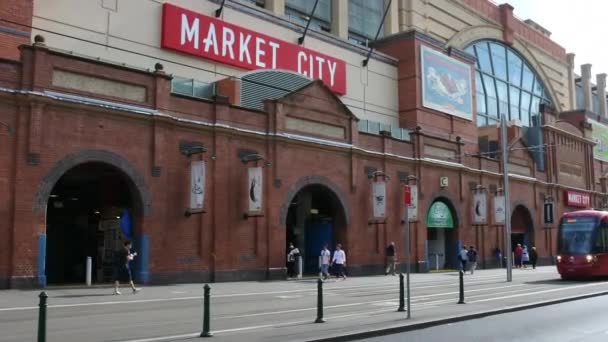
[[580, 321], [268, 311]]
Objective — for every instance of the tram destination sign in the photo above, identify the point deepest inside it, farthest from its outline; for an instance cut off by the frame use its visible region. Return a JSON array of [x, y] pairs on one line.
[[203, 36]]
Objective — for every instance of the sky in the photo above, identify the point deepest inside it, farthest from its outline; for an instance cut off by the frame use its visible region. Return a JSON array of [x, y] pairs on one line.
[[580, 26]]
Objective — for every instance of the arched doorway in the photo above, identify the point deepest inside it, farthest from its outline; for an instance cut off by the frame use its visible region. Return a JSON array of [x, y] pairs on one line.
[[315, 217], [522, 227], [442, 236], [91, 210]]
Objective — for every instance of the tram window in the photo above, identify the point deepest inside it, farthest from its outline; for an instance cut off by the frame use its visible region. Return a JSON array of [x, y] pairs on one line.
[[601, 241]]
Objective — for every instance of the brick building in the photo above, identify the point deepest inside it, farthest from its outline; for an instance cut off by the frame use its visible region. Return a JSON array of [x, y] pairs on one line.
[[207, 140]]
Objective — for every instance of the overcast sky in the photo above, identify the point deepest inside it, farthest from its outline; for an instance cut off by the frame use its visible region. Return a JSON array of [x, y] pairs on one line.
[[580, 26]]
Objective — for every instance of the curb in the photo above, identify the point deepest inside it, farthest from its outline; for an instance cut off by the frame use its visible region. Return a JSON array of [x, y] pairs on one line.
[[453, 319]]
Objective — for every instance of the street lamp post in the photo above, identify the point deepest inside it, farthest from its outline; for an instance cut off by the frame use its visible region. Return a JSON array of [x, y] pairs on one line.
[[505, 175]]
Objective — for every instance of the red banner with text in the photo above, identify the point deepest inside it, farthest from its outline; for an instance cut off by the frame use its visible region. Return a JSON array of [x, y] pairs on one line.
[[200, 35]]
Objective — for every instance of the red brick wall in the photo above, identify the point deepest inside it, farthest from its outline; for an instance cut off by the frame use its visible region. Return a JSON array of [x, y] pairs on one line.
[[221, 240], [13, 35]]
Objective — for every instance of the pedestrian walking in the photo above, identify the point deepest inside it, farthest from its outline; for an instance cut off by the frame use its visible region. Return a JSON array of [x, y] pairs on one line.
[[525, 256], [122, 271], [324, 261], [472, 256], [292, 254], [498, 254], [339, 262], [518, 253], [464, 257], [533, 257], [391, 259]]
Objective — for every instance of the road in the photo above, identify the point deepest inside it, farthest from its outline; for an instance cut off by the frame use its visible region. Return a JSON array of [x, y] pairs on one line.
[[580, 321], [270, 311]]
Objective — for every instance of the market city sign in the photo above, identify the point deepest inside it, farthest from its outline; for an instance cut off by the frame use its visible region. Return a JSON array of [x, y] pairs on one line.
[[200, 35], [577, 199]]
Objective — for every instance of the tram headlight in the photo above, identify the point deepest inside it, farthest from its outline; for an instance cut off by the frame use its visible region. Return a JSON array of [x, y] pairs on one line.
[[591, 258], [559, 258]]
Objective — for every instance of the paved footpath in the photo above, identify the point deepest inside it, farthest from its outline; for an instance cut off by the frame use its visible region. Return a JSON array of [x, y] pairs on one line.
[[275, 311]]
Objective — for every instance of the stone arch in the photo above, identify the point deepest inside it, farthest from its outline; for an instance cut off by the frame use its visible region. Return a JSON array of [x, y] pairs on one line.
[[531, 213], [313, 180], [471, 34], [448, 199], [143, 196]]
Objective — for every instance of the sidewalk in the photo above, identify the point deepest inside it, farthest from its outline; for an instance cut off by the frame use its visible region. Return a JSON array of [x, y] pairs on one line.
[[280, 311]]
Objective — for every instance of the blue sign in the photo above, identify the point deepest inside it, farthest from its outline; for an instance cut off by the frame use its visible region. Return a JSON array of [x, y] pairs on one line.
[[446, 84]]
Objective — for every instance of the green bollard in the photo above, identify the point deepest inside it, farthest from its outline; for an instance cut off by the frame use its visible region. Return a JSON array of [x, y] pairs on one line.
[[401, 294], [319, 302], [42, 317], [206, 313]]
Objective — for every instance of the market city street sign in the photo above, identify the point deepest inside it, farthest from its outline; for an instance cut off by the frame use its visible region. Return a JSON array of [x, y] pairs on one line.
[[197, 34]]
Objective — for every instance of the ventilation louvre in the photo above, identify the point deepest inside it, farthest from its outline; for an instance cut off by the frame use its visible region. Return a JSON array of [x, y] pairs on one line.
[[268, 84]]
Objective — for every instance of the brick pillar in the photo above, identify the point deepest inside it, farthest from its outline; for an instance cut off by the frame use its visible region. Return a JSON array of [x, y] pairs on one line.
[[571, 82], [507, 20], [12, 35], [601, 94], [586, 79]]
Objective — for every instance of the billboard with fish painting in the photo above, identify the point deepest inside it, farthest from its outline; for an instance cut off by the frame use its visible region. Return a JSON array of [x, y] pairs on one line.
[[446, 84]]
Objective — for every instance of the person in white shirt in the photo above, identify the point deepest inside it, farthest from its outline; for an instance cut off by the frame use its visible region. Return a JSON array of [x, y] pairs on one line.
[[339, 261], [324, 260]]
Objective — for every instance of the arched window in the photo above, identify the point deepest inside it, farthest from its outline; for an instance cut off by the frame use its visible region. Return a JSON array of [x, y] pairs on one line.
[[505, 83]]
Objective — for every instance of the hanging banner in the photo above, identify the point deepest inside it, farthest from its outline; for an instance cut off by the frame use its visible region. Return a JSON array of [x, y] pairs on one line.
[[379, 199], [197, 185], [413, 208], [479, 208], [255, 189], [548, 213], [499, 209]]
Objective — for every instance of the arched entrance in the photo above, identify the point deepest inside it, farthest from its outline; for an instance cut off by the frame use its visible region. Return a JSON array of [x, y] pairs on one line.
[[315, 217], [442, 236], [91, 209], [522, 227]]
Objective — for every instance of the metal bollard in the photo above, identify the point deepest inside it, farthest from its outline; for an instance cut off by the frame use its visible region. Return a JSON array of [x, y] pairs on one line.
[[461, 276], [42, 317], [319, 302], [401, 294], [206, 313], [89, 270]]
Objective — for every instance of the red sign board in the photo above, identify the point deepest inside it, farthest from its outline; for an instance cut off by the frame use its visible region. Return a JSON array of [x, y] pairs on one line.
[[407, 195], [197, 34], [577, 199]]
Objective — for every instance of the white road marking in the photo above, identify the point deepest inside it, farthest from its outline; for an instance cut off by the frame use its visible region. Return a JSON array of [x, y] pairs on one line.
[[289, 297], [539, 292], [443, 282]]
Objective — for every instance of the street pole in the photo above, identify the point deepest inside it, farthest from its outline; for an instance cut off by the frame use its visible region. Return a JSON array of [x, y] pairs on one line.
[[408, 259], [505, 175]]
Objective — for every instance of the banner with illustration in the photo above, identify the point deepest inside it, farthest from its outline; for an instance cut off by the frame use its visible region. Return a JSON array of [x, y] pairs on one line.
[[197, 185], [255, 189], [499, 210], [446, 84], [600, 137], [379, 200], [479, 208], [413, 208]]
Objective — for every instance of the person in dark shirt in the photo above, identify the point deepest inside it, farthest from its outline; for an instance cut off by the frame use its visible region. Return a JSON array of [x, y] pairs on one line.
[[122, 272], [472, 256], [391, 258]]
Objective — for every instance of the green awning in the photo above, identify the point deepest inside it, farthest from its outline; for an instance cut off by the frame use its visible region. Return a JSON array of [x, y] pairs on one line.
[[439, 216]]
